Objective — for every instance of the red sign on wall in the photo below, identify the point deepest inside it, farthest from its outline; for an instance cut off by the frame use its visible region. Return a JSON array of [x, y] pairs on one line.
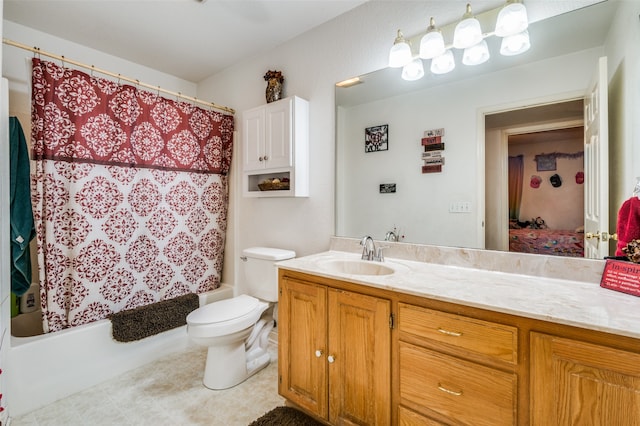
[[621, 276]]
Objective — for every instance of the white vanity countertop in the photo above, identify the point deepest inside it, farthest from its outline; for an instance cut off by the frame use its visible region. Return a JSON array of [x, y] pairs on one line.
[[576, 303]]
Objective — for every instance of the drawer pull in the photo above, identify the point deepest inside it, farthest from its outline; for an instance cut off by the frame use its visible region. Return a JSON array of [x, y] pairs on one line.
[[449, 391], [449, 333]]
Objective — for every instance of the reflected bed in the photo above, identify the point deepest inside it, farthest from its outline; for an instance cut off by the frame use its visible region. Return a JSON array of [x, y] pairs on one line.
[[547, 241]]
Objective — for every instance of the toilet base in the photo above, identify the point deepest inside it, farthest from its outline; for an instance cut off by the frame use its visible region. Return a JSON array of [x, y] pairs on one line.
[[231, 364]]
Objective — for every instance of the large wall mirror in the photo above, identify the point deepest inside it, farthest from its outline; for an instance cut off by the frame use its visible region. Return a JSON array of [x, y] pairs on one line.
[[386, 189]]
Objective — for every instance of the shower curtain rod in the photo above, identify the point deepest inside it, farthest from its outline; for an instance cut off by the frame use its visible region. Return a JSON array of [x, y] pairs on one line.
[[118, 76]]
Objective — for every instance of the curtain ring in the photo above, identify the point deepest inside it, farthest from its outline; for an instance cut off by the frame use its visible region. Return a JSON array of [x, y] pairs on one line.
[[118, 79], [92, 69], [158, 93], [62, 60]]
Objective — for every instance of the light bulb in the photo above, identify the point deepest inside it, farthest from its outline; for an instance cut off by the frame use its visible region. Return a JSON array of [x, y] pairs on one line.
[[432, 43], [512, 19], [400, 53], [414, 70], [476, 55], [444, 63], [515, 44], [467, 32]]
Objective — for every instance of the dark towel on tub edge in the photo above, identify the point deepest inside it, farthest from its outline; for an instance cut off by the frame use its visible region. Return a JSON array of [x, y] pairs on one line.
[[145, 321]]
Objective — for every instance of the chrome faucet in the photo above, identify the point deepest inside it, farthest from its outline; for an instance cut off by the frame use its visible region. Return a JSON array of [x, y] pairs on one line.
[[369, 251], [368, 248], [391, 236]]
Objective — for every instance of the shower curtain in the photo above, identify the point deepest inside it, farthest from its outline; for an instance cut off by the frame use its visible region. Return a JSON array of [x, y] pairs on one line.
[[130, 195]]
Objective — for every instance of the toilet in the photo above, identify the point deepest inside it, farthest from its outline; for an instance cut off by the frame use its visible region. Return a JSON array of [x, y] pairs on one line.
[[236, 330]]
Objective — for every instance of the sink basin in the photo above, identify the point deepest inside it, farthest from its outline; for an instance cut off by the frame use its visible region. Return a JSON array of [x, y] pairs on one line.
[[358, 267]]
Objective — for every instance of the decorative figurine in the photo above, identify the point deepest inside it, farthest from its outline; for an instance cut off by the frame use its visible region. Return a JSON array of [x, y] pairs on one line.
[[274, 81]]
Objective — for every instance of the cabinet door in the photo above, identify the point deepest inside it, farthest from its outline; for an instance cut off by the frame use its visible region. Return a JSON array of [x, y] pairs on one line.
[[253, 128], [577, 383], [278, 134], [360, 367], [302, 337]]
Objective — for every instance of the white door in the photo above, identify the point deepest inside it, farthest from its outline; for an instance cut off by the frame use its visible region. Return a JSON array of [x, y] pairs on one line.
[[596, 165]]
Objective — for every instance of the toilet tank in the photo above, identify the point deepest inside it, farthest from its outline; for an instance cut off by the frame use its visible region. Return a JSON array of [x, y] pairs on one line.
[[260, 272]]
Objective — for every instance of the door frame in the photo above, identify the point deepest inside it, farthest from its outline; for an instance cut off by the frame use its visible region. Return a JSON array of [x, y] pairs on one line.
[[481, 153], [503, 221]]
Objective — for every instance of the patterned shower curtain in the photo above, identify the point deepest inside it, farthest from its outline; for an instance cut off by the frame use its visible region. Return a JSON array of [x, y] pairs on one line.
[[130, 195]]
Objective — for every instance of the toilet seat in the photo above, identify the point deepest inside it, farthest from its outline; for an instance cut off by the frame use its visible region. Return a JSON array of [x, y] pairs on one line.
[[225, 316]]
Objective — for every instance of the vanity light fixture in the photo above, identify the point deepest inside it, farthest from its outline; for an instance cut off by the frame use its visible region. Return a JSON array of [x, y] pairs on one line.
[[400, 54], [511, 24], [468, 32]]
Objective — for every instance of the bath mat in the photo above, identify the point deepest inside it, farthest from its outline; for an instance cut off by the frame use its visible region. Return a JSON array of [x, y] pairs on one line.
[[285, 416], [145, 321]]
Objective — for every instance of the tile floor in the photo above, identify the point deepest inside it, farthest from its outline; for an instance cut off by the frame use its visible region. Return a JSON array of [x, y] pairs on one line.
[[168, 391]]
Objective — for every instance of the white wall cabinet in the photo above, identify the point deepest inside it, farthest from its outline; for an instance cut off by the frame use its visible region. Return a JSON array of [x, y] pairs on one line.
[[275, 145]]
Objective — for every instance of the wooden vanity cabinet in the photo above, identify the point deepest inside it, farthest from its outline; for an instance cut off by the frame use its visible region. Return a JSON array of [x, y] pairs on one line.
[[579, 383], [456, 369], [445, 363], [334, 351]]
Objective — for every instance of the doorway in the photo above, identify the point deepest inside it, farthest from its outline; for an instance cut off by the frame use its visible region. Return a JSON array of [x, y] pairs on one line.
[[546, 136]]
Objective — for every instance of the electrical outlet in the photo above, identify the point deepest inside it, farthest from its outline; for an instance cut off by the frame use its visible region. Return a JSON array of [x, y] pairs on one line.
[[460, 207]]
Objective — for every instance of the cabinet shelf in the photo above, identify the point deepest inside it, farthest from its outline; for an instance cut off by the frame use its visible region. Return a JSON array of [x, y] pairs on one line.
[[252, 180]]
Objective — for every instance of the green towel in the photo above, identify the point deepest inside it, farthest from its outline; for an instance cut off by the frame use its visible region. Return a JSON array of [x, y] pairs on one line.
[[22, 227]]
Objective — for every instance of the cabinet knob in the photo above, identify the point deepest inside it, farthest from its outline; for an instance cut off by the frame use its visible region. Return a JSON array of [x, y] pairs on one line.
[[260, 159], [319, 353], [331, 359], [265, 158]]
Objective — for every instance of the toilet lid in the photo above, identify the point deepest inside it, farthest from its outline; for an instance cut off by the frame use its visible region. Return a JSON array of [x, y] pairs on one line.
[[224, 310]]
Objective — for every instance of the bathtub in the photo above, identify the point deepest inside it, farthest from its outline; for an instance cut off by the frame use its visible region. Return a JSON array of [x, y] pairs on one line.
[[42, 369]]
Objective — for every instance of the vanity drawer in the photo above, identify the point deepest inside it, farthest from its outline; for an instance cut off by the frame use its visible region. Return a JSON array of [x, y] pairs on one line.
[[470, 393], [408, 417], [486, 338]]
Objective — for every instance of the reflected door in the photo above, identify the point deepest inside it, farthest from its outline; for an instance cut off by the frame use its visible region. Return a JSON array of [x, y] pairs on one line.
[[596, 164]]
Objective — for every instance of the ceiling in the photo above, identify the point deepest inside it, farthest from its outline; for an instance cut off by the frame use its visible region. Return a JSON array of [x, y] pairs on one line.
[[189, 39]]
